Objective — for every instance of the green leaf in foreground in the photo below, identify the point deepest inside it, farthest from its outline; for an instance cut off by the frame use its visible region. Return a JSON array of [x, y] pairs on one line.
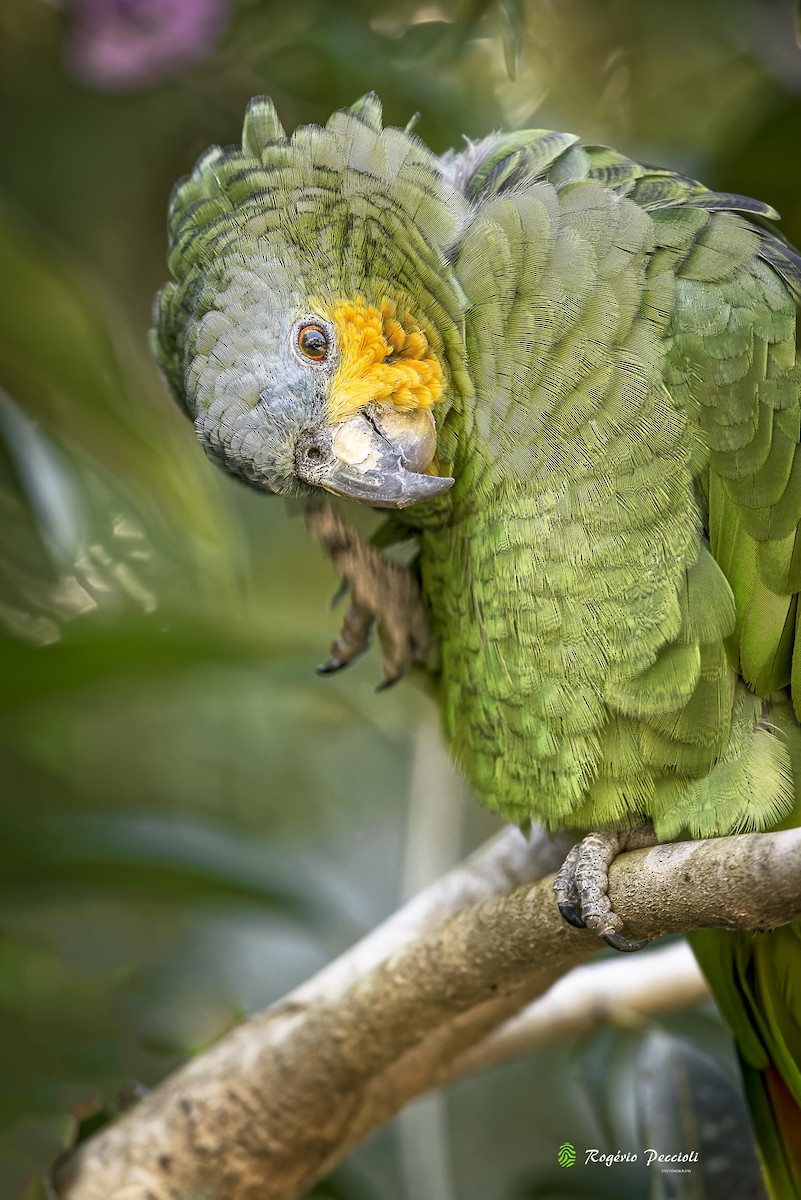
[[145, 857], [94, 651]]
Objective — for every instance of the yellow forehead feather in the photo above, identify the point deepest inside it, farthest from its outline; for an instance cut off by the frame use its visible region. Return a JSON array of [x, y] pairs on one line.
[[384, 357]]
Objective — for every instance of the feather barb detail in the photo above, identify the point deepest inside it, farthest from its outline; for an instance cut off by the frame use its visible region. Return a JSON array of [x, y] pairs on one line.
[[384, 358]]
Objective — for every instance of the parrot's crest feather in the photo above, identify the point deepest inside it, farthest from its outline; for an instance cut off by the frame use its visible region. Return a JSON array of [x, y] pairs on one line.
[[368, 109], [261, 126]]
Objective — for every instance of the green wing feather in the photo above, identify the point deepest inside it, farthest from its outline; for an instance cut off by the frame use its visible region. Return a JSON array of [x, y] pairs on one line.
[[714, 718], [732, 361]]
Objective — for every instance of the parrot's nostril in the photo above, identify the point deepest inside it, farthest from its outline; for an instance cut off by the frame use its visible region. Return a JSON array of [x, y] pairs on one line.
[[312, 455]]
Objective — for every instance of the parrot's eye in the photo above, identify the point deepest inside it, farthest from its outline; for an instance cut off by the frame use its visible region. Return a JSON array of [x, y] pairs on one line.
[[313, 342]]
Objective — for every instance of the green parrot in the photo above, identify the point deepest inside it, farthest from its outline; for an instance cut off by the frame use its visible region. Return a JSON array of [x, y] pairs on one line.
[[572, 378]]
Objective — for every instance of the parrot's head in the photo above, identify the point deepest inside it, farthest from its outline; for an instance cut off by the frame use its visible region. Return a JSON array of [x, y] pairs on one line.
[[314, 331]]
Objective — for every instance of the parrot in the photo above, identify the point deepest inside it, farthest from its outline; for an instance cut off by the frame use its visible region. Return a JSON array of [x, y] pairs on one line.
[[570, 380]]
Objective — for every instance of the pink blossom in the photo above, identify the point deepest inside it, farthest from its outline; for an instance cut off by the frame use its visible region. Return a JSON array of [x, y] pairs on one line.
[[121, 44]]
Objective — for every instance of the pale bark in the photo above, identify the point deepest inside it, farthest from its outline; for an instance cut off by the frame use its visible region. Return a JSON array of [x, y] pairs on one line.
[[627, 991], [285, 1096]]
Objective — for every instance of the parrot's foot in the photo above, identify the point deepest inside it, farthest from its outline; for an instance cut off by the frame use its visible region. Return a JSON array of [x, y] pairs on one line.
[[383, 593], [583, 879]]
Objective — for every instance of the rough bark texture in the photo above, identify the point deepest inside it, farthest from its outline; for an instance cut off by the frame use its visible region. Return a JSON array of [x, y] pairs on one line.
[[285, 1096], [627, 991]]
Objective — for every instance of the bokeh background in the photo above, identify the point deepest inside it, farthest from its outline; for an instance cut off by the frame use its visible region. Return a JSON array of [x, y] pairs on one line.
[[190, 821]]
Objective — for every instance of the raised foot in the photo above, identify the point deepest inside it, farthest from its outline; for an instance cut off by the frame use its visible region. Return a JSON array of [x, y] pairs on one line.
[[582, 883], [383, 594]]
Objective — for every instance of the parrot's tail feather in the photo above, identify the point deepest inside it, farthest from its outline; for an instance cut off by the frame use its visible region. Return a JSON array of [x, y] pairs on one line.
[[756, 981], [788, 1121], [777, 1123]]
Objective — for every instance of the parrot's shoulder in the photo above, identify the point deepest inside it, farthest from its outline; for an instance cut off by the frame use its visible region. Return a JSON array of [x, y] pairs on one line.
[[502, 162], [508, 163], [505, 162]]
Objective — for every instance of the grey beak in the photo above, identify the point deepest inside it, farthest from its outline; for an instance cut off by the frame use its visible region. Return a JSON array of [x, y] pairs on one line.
[[372, 457]]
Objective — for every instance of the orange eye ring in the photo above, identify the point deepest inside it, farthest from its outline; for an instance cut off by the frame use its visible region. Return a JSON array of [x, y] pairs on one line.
[[313, 342]]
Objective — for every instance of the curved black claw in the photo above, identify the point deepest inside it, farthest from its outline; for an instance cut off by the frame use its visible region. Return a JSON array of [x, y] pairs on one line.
[[328, 668], [388, 683], [339, 595], [618, 942], [581, 884], [571, 914]]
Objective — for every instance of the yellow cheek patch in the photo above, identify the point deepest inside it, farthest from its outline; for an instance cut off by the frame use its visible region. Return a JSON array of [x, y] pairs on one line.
[[384, 357]]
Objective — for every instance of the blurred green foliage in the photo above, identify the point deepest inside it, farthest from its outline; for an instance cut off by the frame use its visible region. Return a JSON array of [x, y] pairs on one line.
[[182, 799]]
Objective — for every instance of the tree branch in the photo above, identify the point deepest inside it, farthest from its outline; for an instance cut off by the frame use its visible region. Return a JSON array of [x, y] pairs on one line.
[[625, 991], [285, 1096]]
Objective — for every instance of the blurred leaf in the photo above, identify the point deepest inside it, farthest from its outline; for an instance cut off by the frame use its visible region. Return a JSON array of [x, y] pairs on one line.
[[37, 1189], [346, 1183], [575, 1186], [687, 1101], [57, 354], [92, 651], [45, 479], [59, 1044], [605, 1071], [514, 14], [151, 858]]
